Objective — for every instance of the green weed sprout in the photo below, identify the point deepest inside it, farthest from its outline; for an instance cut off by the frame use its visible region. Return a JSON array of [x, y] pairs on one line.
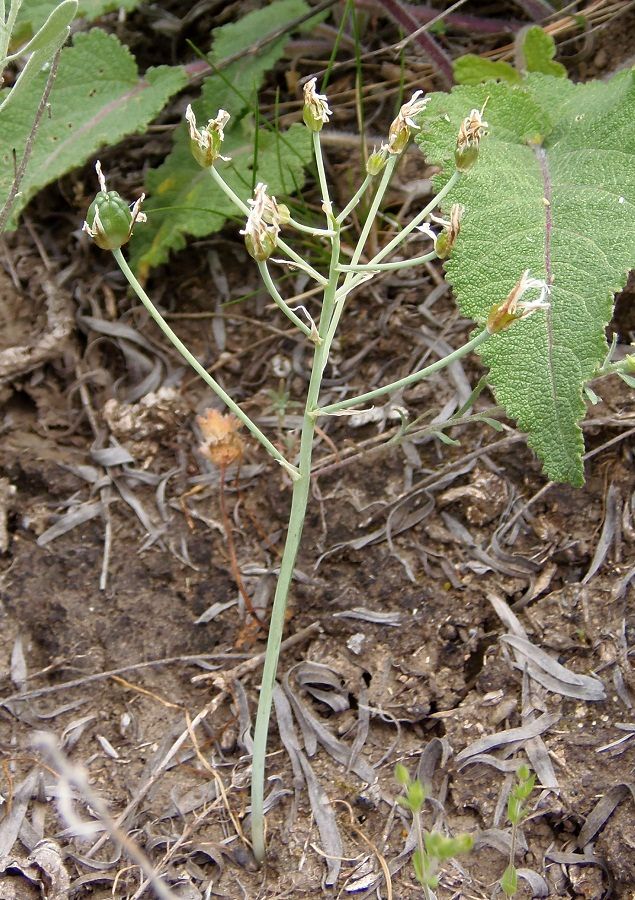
[[265, 219], [516, 814], [433, 848]]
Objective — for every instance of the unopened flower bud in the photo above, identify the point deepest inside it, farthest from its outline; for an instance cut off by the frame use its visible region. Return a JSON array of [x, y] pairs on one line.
[[503, 315], [403, 126], [377, 160], [263, 225], [467, 145], [316, 108], [110, 220], [206, 144], [446, 240]]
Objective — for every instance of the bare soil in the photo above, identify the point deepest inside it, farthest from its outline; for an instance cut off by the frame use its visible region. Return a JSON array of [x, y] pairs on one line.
[[120, 627]]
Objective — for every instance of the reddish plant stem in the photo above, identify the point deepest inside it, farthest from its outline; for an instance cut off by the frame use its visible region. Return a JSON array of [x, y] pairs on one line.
[[403, 16], [463, 21]]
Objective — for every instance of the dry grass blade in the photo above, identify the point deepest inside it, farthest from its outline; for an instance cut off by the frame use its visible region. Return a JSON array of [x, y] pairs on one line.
[[76, 516], [370, 615], [603, 810], [326, 822], [313, 730], [16, 811], [48, 858], [538, 885], [609, 530], [551, 674], [500, 840], [289, 739], [511, 735]]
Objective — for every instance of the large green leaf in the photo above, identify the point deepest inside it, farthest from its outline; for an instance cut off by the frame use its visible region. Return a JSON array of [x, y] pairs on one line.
[[553, 191], [98, 98], [182, 199]]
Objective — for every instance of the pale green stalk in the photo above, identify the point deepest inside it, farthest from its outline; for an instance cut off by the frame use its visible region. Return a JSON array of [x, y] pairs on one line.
[[324, 188], [368, 224], [390, 267], [297, 515], [334, 408], [427, 893], [403, 234], [7, 29], [229, 192], [233, 196], [199, 369], [307, 229], [280, 303], [357, 196]]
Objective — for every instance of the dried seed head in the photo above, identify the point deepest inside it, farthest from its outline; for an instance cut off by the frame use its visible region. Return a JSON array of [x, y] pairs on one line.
[[110, 220], [316, 107], [263, 224], [403, 126], [472, 129], [445, 240], [512, 309], [206, 144], [222, 445]]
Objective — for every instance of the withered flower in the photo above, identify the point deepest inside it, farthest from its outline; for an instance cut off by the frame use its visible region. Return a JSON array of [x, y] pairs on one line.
[[222, 445], [512, 309], [472, 129]]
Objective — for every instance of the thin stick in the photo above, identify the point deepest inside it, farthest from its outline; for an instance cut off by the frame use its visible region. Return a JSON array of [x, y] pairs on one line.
[[102, 676]]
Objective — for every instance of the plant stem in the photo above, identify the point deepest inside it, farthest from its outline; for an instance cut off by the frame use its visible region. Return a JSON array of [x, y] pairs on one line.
[[357, 196], [340, 295], [389, 267], [307, 229], [403, 234], [199, 369], [333, 408], [233, 196], [422, 852], [324, 188], [229, 192], [297, 515], [280, 303]]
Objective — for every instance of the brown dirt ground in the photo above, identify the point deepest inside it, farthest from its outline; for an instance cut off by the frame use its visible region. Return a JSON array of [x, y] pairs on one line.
[[438, 676]]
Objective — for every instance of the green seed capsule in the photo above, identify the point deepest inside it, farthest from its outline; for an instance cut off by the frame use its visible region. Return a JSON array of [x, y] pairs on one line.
[[465, 157], [110, 220]]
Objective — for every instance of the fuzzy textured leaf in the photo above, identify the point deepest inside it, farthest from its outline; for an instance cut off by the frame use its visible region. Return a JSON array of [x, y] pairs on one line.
[[41, 49], [34, 12], [553, 191], [537, 50], [182, 197], [472, 69], [98, 98]]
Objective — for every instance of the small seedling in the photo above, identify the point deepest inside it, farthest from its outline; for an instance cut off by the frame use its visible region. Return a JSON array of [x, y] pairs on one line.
[[516, 814], [433, 848]]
